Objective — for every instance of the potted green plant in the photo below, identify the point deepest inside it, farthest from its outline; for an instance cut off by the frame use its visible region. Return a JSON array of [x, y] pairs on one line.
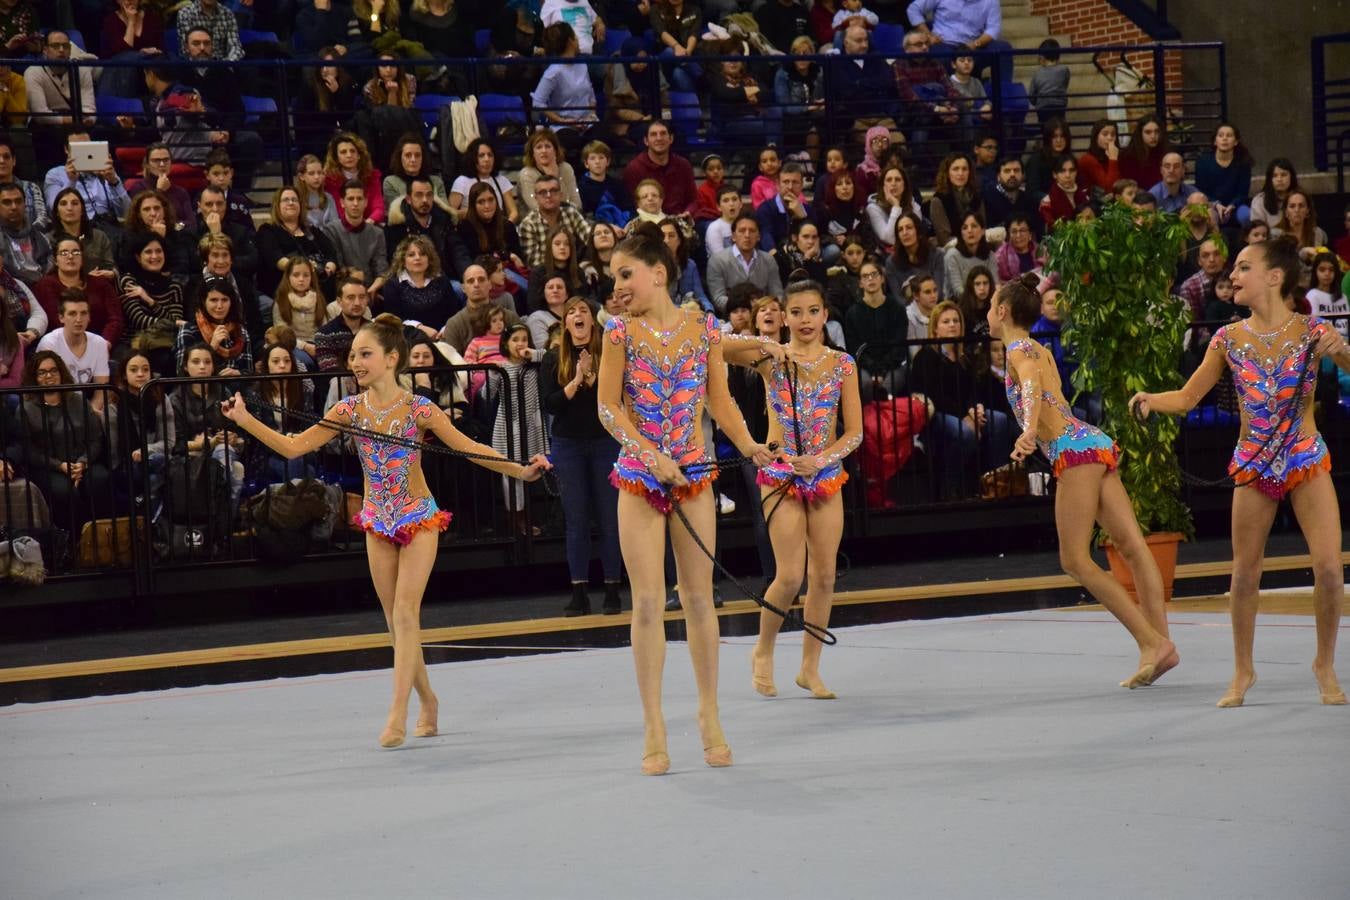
[[1126, 330]]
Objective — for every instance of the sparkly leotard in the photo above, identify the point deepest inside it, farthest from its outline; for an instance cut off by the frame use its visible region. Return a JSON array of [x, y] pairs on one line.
[[664, 387], [397, 504], [805, 402], [1075, 443], [1279, 447]]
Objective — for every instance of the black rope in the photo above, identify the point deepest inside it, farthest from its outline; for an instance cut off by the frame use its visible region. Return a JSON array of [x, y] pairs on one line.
[[1231, 479]]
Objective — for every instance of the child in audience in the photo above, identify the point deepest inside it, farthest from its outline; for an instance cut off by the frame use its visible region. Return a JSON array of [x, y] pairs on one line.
[[1049, 87], [521, 380], [220, 174], [319, 206], [851, 12], [710, 190], [489, 322], [765, 185], [199, 422], [974, 103], [1324, 296], [1219, 305], [718, 235], [597, 187], [1124, 191], [301, 305]]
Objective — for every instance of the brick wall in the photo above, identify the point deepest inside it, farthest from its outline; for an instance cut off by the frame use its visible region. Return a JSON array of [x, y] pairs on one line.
[[1095, 22]]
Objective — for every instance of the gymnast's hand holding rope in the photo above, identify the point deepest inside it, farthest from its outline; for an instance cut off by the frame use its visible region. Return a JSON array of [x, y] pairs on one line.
[[337, 422]]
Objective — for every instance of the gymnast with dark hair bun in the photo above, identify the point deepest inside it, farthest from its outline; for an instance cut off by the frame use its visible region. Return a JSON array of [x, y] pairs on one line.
[[398, 513], [1084, 461], [1274, 356]]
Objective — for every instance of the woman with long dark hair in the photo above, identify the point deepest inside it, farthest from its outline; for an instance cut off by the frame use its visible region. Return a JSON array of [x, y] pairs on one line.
[[955, 194], [218, 322], [583, 455], [288, 234], [410, 159], [485, 231], [70, 218], [1099, 167], [1224, 175], [289, 394], [1141, 159], [1040, 163], [478, 165], [152, 213], [152, 302], [1268, 204]]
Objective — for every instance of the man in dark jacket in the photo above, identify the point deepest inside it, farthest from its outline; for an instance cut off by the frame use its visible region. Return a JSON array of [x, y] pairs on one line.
[[864, 89], [418, 213]]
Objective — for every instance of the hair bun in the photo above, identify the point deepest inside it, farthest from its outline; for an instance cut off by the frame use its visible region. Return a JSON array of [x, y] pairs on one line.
[[649, 230], [1029, 280], [388, 319], [1286, 242]]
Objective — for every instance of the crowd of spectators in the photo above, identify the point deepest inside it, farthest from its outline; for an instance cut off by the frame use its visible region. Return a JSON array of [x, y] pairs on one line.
[[162, 263]]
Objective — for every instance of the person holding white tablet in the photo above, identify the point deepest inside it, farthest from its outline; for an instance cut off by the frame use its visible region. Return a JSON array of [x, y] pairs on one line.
[[103, 192]]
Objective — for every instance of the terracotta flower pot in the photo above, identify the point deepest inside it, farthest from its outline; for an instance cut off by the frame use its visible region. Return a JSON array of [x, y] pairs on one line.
[[1164, 549]]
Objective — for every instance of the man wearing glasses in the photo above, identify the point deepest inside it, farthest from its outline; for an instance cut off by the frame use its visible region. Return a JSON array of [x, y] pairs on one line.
[[27, 252], [35, 204], [158, 165], [550, 212], [51, 93]]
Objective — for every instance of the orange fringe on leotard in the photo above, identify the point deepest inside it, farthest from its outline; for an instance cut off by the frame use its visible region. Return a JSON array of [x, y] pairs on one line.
[[663, 501], [1278, 489], [1106, 456]]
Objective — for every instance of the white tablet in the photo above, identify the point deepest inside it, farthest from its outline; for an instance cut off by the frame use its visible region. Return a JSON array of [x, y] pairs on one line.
[[90, 156]]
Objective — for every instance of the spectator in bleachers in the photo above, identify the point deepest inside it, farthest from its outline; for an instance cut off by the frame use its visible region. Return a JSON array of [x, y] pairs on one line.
[[348, 160], [27, 251], [156, 175], [564, 99], [541, 322], [673, 171], [1099, 167], [550, 212], [62, 446], [954, 195], [105, 310], [458, 331], [1008, 196], [319, 207], [152, 302], [974, 302], [913, 254], [300, 304], [544, 157], [633, 92], [600, 189], [131, 26], [479, 165], [962, 24], [1268, 204], [50, 94], [921, 298], [216, 20], [84, 352], [972, 249], [220, 175], [844, 288], [489, 324], [213, 218], [420, 213], [410, 160], [893, 199], [333, 339], [217, 321], [678, 25], [1049, 87], [600, 250], [865, 92], [1196, 215], [799, 93], [200, 428], [1039, 166], [11, 369], [216, 255], [1225, 176], [1066, 196], [360, 244], [1141, 159], [777, 215], [562, 259], [445, 31], [105, 196], [327, 26], [1299, 218], [1212, 262], [1325, 296], [927, 96], [141, 428], [514, 36], [984, 155], [388, 97], [839, 213], [222, 94], [972, 104], [35, 204], [327, 103], [416, 290], [150, 213], [13, 102], [802, 251], [743, 263], [287, 234], [289, 393], [867, 174], [689, 289], [587, 26], [782, 22], [874, 330], [1017, 255], [1172, 191], [180, 117], [1255, 233], [765, 184], [19, 28], [717, 237], [523, 432], [485, 230]]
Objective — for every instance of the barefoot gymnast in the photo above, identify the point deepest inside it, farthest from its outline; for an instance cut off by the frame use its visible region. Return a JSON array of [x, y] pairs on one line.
[[398, 513], [1274, 356], [658, 366], [1084, 462]]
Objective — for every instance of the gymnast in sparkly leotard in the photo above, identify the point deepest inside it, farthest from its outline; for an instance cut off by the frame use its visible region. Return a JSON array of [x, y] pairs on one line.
[[659, 366], [1273, 357], [398, 513], [1089, 490], [809, 395]]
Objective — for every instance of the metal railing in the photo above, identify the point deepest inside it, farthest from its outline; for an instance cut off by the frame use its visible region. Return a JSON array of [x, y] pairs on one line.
[[1331, 103]]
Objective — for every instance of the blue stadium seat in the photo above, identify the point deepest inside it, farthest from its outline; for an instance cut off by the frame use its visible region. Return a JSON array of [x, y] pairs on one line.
[[171, 41], [1016, 105], [496, 110], [429, 105], [76, 37], [482, 38], [109, 108], [614, 38], [249, 36], [686, 117], [888, 39], [255, 107]]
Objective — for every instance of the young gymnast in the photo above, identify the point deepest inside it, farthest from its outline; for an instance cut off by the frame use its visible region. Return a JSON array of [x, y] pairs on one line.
[[1274, 356], [398, 514], [1084, 462], [659, 365], [800, 492]]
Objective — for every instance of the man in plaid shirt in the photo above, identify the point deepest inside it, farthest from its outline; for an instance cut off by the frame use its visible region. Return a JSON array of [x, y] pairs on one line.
[[1212, 260], [218, 21], [550, 213]]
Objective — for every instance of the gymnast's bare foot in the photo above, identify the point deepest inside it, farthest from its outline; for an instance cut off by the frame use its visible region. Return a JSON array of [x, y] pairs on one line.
[[1237, 690], [716, 753], [1153, 664], [395, 729], [761, 673], [810, 681], [1332, 695], [655, 760], [426, 717]]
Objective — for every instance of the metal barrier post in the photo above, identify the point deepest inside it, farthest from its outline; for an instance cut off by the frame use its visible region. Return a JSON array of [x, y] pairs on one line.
[[1159, 83]]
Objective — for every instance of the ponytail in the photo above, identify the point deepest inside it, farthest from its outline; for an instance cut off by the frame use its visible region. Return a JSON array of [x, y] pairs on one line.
[[387, 329]]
